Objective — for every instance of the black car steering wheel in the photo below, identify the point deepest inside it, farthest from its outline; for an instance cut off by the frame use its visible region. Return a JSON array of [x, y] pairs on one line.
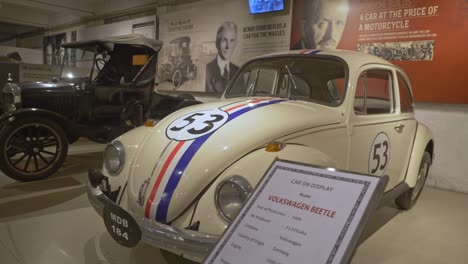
[[100, 62], [110, 73]]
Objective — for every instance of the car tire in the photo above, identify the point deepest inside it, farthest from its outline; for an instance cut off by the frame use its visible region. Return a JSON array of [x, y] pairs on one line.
[[409, 198], [32, 148]]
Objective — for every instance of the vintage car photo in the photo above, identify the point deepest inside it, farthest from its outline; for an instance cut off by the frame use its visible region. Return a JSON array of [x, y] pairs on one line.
[[179, 184], [179, 66], [105, 89]]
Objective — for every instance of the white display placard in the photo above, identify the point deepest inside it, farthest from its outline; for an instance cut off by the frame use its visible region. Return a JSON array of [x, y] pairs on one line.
[[300, 214]]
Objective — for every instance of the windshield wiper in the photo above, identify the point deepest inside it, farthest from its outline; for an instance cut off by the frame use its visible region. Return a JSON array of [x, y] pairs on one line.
[[292, 80]]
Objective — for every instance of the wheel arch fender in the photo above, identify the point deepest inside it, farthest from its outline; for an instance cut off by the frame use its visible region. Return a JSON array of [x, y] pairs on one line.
[[423, 142], [252, 167], [66, 125], [290, 152], [307, 155]]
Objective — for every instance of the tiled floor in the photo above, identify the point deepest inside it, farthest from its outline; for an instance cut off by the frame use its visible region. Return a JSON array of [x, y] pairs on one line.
[[52, 222]]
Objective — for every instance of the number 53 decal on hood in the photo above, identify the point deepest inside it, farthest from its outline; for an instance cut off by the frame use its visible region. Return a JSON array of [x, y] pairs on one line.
[[195, 125]]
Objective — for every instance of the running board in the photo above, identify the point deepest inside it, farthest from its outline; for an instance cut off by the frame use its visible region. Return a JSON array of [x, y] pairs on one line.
[[389, 197]]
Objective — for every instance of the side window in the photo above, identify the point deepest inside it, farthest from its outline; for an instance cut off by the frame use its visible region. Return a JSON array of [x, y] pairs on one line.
[[336, 87], [374, 93], [359, 98], [241, 85], [406, 101], [265, 81]]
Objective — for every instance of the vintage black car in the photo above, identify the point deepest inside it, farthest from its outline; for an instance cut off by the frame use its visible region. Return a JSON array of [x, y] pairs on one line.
[[106, 88]]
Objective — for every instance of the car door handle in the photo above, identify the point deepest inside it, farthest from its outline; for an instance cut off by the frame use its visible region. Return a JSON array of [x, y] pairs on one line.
[[399, 128]]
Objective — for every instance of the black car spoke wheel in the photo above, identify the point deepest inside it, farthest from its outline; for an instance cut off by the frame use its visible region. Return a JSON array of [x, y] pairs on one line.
[[33, 148], [39, 139]]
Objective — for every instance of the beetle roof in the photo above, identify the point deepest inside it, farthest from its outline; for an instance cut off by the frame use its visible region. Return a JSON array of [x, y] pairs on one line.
[[133, 39], [351, 57]]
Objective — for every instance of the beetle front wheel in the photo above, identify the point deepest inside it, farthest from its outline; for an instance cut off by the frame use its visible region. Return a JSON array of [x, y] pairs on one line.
[[32, 148]]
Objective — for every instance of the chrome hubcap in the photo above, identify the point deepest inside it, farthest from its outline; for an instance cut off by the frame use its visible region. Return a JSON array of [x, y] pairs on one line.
[[421, 180]]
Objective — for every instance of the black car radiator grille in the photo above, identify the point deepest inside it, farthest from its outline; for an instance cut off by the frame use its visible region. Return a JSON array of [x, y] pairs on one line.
[[63, 105]]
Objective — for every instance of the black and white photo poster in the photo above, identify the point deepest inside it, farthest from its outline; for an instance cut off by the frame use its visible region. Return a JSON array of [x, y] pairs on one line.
[[53, 55], [201, 53], [300, 214]]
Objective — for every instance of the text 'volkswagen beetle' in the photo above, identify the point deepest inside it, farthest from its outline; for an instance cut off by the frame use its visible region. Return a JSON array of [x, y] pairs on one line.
[[179, 184]]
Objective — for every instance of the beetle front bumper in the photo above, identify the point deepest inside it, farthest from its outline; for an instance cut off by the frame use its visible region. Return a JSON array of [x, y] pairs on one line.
[[191, 244]]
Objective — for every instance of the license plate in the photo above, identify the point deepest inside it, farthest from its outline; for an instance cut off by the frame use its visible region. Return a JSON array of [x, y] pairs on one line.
[[121, 226]]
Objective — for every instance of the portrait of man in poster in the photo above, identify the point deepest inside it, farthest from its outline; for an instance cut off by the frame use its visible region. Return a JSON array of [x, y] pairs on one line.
[[220, 70], [322, 23]]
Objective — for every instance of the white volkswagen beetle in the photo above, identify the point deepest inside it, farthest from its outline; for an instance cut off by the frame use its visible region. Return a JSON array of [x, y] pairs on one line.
[[179, 184]]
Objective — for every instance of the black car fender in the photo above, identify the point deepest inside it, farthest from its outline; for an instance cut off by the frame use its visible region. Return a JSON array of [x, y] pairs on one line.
[[66, 125], [186, 103]]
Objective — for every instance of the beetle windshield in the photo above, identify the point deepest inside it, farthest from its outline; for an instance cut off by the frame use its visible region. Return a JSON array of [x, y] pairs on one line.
[[78, 63], [320, 80]]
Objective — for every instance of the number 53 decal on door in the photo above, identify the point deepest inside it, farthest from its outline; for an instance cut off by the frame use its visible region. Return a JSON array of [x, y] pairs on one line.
[[379, 155]]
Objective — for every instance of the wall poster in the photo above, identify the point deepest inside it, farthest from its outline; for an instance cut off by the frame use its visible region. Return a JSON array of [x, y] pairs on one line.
[[426, 38], [51, 46], [205, 45], [146, 29]]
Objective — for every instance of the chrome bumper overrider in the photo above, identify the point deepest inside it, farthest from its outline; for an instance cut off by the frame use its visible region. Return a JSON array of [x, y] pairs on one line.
[[191, 244]]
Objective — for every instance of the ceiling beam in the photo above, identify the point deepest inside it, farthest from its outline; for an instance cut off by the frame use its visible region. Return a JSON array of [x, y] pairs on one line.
[[24, 16], [27, 22], [54, 6]]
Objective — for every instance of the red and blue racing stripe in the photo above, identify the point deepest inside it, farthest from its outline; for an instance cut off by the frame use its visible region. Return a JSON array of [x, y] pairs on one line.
[[180, 157]]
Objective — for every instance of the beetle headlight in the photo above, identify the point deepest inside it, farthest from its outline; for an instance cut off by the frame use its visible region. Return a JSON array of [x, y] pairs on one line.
[[231, 194], [114, 157]]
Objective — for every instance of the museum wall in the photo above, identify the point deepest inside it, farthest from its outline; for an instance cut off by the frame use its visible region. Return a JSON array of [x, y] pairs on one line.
[[10, 42], [449, 125], [33, 56], [119, 28], [51, 41]]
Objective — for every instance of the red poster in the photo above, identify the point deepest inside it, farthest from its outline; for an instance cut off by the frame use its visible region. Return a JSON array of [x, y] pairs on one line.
[[427, 38]]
